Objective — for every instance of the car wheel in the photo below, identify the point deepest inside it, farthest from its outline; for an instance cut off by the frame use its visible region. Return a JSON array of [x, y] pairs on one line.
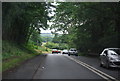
[[101, 65], [68, 54], [107, 65], [76, 55]]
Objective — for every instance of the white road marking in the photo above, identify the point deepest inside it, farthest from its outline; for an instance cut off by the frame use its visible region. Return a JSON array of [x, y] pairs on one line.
[[98, 72]]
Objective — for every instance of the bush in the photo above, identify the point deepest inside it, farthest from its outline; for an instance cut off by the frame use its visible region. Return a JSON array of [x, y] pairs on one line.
[[60, 46], [13, 54], [51, 45]]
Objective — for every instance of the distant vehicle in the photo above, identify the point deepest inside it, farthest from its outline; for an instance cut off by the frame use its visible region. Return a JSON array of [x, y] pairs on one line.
[[59, 51], [73, 51], [55, 51], [65, 51], [110, 57]]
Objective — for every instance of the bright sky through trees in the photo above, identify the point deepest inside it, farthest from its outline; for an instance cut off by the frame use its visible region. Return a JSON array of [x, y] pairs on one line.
[[50, 23]]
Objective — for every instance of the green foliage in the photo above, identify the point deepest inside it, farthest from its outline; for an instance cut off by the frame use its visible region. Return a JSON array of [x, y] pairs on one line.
[[52, 45], [91, 27], [60, 38], [9, 50], [13, 54], [56, 38], [30, 47], [46, 37], [35, 38], [44, 49], [21, 19], [6, 65], [63, 46]]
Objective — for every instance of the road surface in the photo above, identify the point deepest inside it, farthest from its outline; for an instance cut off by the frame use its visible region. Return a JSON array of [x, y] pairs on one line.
[[57, 66]]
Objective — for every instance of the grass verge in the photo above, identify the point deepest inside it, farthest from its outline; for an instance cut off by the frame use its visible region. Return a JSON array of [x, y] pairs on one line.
[[11, 63], [13, 55], [45, 50]]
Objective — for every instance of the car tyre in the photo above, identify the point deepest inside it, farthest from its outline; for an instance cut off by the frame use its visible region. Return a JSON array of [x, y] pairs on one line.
[[107, 65], [76, 55], [101, 65]]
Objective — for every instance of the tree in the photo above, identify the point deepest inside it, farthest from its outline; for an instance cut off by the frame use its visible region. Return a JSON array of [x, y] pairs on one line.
[[35, 38], [21, 19], [91, 27]]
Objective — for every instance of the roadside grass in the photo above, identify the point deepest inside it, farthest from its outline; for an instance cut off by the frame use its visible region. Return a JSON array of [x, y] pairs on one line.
[[13, 54], [11, 63], [44, 49]]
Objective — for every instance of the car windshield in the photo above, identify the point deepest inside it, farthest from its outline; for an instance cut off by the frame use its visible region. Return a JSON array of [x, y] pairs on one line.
[[73, 50], [116, 51], [54, 49], [65, 50]]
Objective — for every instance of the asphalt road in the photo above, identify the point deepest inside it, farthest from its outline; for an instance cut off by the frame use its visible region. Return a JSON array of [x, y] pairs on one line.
[[95, 62], [57, 66]]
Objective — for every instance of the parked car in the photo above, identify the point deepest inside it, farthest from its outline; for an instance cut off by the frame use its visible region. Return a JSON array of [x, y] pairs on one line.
[[73, 51], [59, 51], [55, 51], [65, 51], [110, 57]]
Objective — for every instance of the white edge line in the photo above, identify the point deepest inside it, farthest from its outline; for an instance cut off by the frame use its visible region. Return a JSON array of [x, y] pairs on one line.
[[87, 66]]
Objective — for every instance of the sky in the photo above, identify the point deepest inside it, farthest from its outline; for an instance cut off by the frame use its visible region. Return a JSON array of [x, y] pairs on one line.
[[50, 23], [46, 31], [49, 31]]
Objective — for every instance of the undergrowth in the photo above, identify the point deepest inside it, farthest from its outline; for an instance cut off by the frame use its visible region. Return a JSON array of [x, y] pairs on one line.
[[14, 54]]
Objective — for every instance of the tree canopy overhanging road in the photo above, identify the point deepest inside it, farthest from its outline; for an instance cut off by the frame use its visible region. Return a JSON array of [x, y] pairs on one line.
[[88, 27]]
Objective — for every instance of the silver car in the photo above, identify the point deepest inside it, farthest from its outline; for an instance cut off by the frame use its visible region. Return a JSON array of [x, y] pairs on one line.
[[110, 57], [65, 51], [73, 51]]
